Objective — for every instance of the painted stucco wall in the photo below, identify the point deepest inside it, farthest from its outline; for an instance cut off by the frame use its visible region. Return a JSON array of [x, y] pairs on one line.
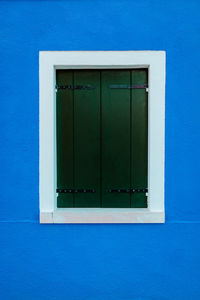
[[101, 262]]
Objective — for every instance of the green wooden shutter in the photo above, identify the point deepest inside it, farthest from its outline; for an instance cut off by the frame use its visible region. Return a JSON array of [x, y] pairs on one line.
[[64, 130], [115, 138], [102, 138], [87, 138], [139, 138]]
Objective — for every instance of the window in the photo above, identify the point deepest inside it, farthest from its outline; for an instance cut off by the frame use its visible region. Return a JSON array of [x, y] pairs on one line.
[[102, 137]]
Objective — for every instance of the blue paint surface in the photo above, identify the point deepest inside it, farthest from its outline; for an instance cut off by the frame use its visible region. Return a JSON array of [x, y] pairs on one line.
[[101, 262]]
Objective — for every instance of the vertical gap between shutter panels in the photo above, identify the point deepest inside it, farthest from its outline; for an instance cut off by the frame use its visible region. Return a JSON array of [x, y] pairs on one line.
[[73, 141], [130, 134], [100, 140]]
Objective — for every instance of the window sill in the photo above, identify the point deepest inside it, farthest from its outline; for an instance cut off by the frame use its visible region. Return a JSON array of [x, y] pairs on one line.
[[102, 215]]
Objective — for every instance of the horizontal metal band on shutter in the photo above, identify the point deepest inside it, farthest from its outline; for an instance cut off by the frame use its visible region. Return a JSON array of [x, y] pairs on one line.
[[127, 190], [74, 87], [66, 191], [127, 86]]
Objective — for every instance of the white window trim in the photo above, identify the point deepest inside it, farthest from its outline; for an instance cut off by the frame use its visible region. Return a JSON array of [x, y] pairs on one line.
[[48, 63]]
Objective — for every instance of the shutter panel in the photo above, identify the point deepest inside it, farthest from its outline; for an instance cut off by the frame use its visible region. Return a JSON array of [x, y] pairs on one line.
[[64, 135], [115, 138], [87, 138], [139, 139]]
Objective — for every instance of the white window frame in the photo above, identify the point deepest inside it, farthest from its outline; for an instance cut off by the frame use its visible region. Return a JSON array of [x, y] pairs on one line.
[[49, 62]]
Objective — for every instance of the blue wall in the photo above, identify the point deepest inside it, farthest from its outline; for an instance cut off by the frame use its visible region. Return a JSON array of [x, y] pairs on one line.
[[101, 262]]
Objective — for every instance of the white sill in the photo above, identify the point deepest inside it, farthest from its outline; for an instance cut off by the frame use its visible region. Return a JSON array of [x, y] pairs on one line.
[[102, 215]]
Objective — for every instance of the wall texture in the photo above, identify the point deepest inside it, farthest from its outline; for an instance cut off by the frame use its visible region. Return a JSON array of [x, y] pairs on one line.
[[101, 262]]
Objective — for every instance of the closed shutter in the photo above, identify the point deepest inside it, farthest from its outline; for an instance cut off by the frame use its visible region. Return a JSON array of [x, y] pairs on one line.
[[101, 135]]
